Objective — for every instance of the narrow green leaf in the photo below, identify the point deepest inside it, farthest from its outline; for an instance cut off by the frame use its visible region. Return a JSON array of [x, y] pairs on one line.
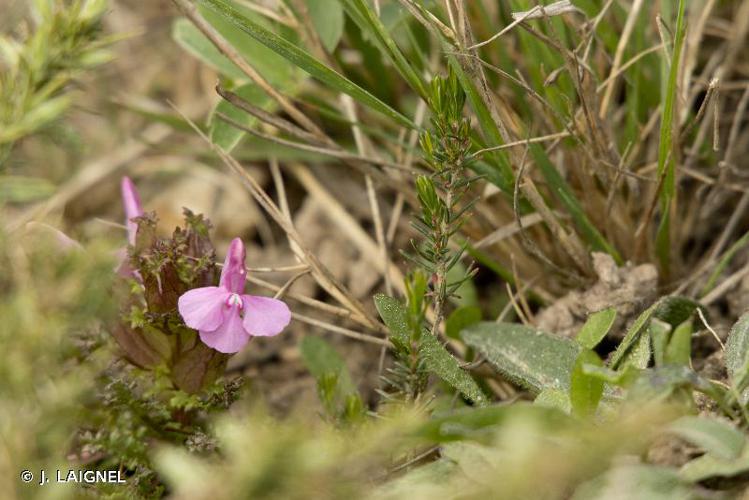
[[716, 437], [585, 390], [666, 160], [737, 356], [439, 361], [632, 335], [660, 333], [303, 60], [596, 327], [638, 356], [479, 424], [725, 259], [673, 310], [679, 350], [368, 22], [531, 358], [395, 316]]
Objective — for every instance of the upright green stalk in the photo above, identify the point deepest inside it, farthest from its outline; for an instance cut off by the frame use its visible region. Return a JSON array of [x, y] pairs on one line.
[[440, 194]]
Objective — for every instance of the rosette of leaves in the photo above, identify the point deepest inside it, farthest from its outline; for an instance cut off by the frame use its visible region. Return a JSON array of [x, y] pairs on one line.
[[152, 333]]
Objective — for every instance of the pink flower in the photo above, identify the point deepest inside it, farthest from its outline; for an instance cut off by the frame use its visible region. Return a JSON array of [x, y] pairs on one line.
[[133, 209], [226, 318]]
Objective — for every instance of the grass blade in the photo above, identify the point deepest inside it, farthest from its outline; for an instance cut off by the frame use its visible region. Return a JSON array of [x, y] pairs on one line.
[[666, 160], [304, 60], [367, 20]]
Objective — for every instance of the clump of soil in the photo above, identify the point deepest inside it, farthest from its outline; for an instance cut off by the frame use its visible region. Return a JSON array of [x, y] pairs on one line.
[[626, 288]]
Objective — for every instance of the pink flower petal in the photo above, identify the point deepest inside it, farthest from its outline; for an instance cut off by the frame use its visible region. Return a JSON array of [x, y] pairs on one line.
[[264, 316], [133, 208], [228, 338], [233, 274], [203, 308]]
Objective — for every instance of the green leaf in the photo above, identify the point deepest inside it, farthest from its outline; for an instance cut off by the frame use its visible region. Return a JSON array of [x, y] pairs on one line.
[[327, 17], [302, 59], [640, 481], [272, 66], [227, 136], [708, 466], [369, 23], [531, 358], [460, 319], [585, 390], [395, 316], [439, 361], [194, 42], [660, 333], [639, 355], [737, 349], [596, 327], [717, 437], [673, 310], [666, 160], [554, 398], [725, 259], [480, 423], [661, 383], [466, 294], [622, 378], [679, 350], [737, 356], [322, 360]]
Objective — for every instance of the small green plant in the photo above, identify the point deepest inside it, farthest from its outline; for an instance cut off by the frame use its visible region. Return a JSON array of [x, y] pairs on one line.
[[37, 66]]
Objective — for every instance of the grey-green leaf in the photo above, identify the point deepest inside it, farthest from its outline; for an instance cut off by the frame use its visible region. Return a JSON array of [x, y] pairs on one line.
[[737, 350], [716, 437], [708, 466], [439, 361], [395, 316], [531, 358]]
